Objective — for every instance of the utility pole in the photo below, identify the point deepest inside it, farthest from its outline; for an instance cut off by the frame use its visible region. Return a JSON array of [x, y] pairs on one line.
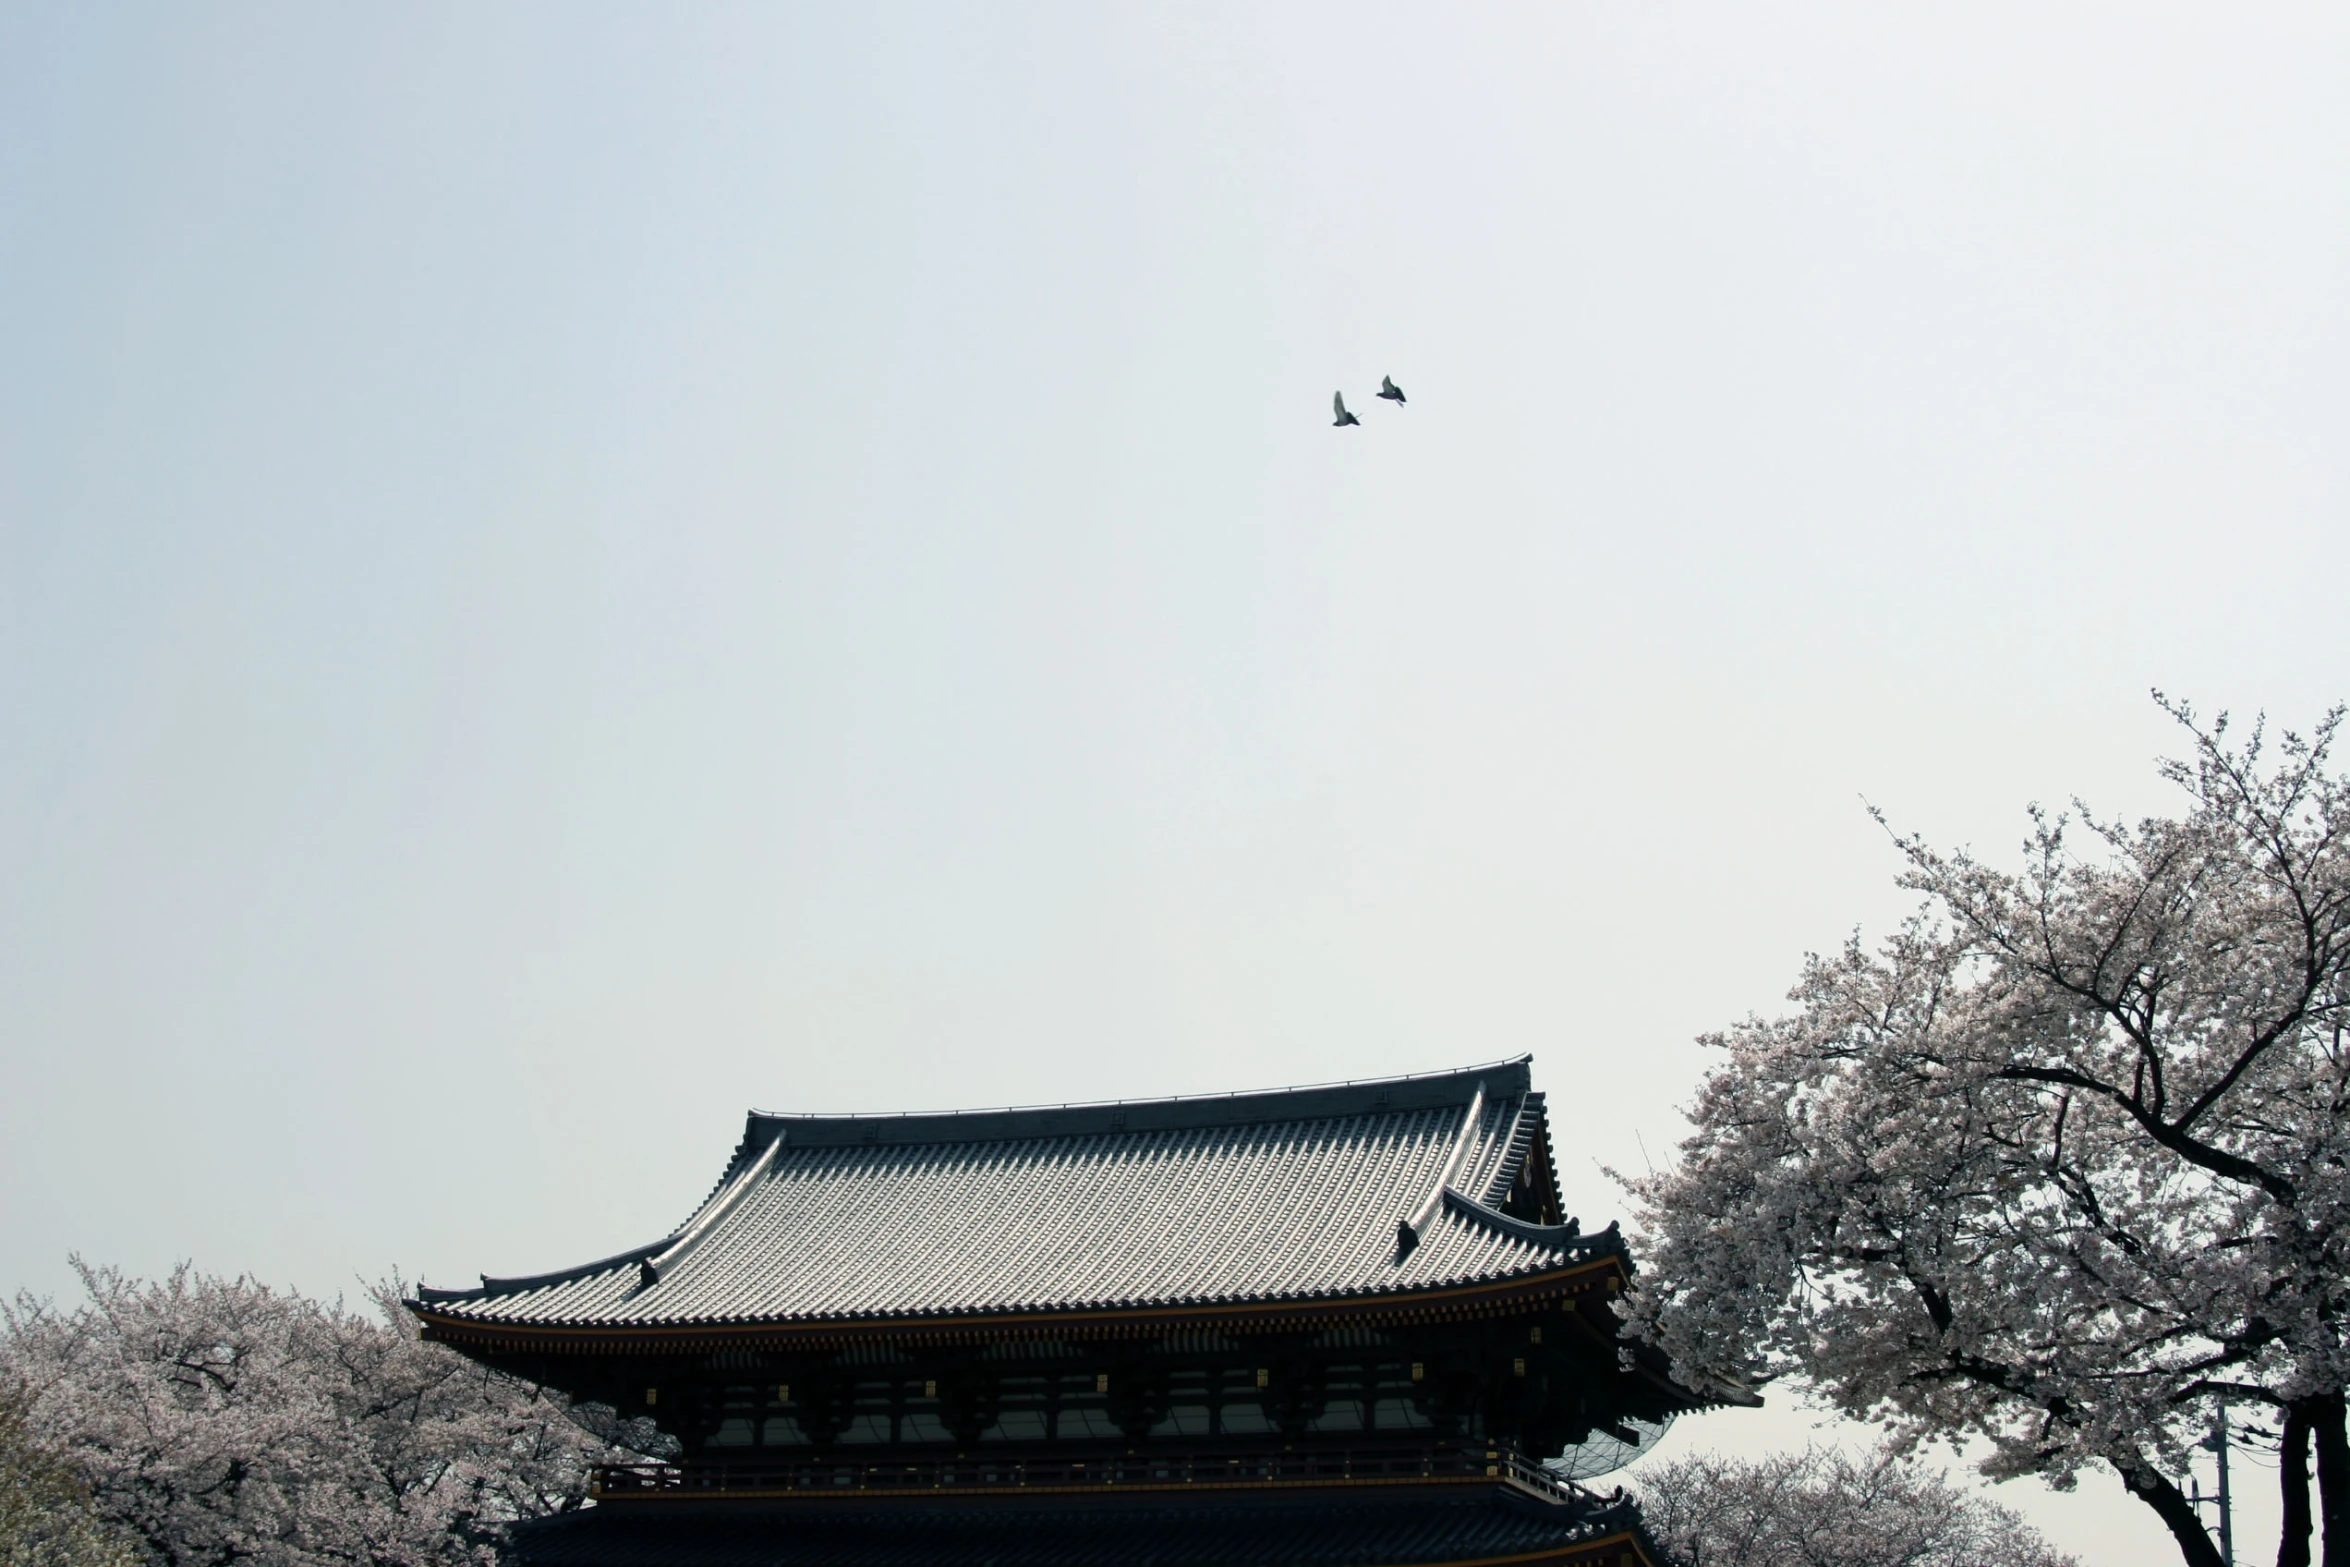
[[2217, 1445], [2227, 1513]]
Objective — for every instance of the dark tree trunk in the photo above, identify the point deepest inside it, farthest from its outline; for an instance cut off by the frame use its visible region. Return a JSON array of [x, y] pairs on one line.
[[2170, 1504], [2293, 1482], [2333, 1476]]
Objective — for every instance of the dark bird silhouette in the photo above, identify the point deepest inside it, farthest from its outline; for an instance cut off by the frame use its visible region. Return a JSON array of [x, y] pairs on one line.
[[1338, 406], [1389, 390]]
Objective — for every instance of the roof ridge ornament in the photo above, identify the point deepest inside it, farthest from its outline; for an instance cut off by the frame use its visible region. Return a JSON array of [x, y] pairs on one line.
[[1413, 1225], [652, 1270]]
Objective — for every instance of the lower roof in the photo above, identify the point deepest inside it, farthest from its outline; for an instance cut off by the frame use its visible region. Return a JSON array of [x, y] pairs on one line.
[[1487, 1529]]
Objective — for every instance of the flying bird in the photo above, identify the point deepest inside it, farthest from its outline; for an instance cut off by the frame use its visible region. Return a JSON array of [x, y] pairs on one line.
[[1338, 406], [1389, 390]]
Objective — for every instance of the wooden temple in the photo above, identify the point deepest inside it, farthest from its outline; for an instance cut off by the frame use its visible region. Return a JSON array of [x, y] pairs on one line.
[[1341, 1326]]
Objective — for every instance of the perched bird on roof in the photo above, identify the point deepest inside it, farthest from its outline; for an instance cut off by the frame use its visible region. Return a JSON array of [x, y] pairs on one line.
[[1389, 390], [1338, 405]]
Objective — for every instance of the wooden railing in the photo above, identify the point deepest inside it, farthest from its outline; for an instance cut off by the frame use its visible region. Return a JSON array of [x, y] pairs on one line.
[[834, 1475]]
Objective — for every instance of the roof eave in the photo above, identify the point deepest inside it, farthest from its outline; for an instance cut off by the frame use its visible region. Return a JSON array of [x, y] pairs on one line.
[[1603, 1272]]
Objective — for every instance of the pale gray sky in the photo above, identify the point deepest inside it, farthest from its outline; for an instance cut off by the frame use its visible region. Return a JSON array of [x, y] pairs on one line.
[[567, 571]]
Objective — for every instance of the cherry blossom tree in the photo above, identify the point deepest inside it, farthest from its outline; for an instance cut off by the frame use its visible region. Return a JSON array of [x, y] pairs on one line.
[[2063, 1161], [1819, 1508], [217, 1421], [46, 1519]]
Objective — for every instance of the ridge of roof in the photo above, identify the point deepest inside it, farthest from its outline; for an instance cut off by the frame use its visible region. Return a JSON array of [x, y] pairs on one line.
[[1410, 1227], [1315, 1101], [655, 1268]]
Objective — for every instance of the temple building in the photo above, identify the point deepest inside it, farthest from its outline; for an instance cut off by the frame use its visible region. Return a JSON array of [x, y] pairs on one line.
[[1343, 1326]]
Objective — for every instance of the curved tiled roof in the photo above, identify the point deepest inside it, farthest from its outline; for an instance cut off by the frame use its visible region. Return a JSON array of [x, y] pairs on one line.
[[1306, 1194], [1363, 1532]]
